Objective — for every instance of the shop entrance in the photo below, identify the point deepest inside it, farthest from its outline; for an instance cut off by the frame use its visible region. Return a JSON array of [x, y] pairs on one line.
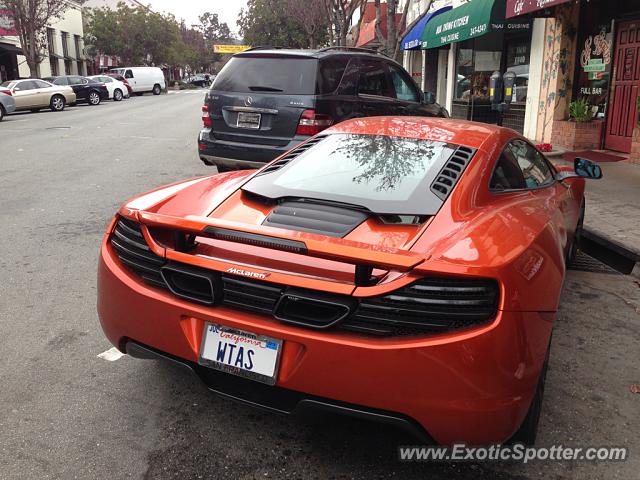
[[623, 114]]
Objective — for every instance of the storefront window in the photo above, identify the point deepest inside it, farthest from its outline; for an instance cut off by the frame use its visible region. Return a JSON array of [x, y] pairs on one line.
[[594, 59], [518, 62]]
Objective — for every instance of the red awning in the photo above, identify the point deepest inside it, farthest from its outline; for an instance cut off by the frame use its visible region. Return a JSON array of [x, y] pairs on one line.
[[367, 33], [520, 7]]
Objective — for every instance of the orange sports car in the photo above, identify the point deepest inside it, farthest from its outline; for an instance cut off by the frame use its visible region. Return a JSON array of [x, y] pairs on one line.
[[402, 269]]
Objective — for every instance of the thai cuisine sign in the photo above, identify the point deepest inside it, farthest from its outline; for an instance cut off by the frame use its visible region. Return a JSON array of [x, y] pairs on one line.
[[520, 7]]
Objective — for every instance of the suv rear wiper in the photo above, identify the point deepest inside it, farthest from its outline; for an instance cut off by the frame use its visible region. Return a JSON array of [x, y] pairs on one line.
[[264, 89]]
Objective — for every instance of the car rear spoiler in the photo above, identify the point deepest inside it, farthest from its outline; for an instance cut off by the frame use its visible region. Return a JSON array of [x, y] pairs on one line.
[[364, 256]]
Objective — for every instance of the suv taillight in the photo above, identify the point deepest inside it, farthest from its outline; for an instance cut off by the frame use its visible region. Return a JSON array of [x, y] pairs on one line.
[[312, 123], [206, 119]]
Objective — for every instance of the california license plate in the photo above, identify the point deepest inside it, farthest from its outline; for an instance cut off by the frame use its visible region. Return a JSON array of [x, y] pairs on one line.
[[248, 120], [240, 353]]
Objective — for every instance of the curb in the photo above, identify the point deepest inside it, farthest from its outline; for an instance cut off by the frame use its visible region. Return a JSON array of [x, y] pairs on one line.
[[614, 254]]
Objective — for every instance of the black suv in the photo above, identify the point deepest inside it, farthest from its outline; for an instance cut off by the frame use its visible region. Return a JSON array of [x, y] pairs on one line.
[[266, 101]]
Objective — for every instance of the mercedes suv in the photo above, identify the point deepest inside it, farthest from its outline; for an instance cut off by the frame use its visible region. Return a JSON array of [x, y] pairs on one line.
[[264, 102]]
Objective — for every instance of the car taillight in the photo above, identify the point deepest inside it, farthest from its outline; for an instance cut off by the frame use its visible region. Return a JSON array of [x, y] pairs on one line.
[[312, 123], [7, 92], [206, 119]]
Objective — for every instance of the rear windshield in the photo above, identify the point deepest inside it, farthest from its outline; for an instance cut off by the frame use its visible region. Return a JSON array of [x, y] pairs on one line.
[[278, 75], [387, 175], [7, 84]]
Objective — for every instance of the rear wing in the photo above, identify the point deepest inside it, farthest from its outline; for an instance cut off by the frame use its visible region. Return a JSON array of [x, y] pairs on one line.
[[364, 256]]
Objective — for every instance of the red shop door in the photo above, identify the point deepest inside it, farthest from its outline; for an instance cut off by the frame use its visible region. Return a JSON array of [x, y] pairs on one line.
[[623, 115]]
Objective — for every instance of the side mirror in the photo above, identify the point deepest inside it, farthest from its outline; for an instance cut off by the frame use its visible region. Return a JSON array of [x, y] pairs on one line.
[[586, 168], [582, 168], [428, 98]]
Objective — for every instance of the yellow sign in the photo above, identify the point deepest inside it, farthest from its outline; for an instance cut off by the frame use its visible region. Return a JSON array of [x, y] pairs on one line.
[[230, 48]]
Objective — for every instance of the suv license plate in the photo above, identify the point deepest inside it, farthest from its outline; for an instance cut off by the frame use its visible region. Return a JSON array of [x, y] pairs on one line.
[[248, 120], [241, 353]]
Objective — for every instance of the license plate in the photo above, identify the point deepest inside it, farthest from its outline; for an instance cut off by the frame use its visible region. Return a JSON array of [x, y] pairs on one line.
[[248, 120], [240, 353]]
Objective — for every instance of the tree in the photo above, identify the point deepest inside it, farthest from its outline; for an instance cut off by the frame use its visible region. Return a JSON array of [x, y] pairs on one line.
[[214, 30], [390, 46], [265, 22], [341, 14], [137, 35], [313, 16], [32, 18]]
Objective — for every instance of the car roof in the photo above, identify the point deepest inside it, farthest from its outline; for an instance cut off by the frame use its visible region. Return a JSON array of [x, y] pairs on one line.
[[448, 130]]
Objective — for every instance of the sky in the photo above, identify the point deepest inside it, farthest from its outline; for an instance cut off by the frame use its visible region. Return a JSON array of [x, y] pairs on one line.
[[227, 10]]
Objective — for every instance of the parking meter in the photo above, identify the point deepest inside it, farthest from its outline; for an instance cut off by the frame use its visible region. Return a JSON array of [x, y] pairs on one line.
[[495, 89], [509, 82]]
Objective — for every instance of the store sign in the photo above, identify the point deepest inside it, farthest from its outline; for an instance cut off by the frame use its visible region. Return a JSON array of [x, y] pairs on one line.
[[520, 7], [230, 48], [7, 23], [596, 54]]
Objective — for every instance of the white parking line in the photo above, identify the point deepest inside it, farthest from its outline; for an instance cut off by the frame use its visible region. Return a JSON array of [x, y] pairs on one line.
[[111, 355]]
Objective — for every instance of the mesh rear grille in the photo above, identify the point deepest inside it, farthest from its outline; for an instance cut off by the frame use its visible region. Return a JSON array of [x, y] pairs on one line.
[[132, 249], [428, 306]]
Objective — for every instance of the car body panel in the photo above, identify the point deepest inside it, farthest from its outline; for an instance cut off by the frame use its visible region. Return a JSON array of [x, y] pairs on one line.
[[480, 380], [28, 95], [142, 79], [7, 101]]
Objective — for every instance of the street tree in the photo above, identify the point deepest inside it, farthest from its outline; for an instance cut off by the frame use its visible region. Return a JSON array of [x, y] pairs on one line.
[[314, 18], [341, 15], [390, 45], [213, 29], [266, 22], [31, 20]]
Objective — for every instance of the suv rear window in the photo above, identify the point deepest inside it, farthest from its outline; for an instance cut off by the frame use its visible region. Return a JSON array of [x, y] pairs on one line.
[[279, 75]]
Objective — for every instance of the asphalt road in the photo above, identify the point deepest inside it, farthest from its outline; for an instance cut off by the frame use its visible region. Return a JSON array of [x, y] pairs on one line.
[[68, 414]]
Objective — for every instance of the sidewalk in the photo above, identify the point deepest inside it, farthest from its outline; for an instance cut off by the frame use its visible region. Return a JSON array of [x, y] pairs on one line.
[[613, 204]]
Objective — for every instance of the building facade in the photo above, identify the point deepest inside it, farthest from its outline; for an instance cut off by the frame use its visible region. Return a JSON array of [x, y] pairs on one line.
[[64, 53], [559, 50]]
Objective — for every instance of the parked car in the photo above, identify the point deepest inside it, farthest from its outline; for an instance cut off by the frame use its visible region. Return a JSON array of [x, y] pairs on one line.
[[7, 102], [35, 94], [265, 102], [117, 90], [119, 77], [86, 90], [143, 79], [198, 80], [384, 268]]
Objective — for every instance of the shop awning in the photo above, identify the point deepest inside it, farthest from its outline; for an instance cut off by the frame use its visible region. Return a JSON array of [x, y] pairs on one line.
[[520, 7], [413, 39], [10, 48], [470, 20]]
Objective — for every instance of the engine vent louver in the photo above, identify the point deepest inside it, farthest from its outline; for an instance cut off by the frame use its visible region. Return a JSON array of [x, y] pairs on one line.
[[426, 307], [314, 218], [452, 171], [290, 156]]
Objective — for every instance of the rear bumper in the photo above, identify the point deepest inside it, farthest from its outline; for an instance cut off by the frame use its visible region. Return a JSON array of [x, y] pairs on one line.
[[473, 386], [240, 155], [277, 399]]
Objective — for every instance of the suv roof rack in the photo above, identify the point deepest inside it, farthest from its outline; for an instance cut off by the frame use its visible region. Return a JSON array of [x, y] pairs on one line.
[[352, 49], [262, 47]]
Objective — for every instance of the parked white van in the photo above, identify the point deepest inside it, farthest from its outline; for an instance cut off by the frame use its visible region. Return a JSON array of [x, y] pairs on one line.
[[143, 79]]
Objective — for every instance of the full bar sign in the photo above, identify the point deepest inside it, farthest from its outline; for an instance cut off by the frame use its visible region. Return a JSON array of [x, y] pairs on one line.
[[520, 7]]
